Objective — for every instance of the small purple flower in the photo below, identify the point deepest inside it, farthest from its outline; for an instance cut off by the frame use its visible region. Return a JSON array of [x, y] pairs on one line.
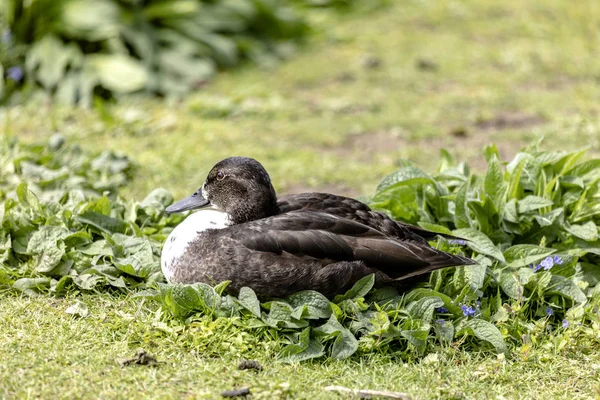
[[458, 242], [547, 263], [468, 311], [441, 322], [536, 267], [15, 73], [441, 310], [565, 324], [557, 260], [549, 311]]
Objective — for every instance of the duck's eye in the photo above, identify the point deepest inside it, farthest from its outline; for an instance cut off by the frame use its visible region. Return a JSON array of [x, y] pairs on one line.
[[220, 176]]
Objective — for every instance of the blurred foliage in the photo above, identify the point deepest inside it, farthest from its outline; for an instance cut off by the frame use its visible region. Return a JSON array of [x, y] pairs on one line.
[[76, 49]]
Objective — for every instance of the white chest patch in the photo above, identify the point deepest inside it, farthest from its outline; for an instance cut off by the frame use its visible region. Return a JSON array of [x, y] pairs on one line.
[[186, 232]]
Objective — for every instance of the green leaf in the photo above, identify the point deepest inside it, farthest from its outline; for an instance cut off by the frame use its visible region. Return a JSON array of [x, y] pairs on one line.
[[461, 216], [360, 289], [525, 254], [158, 198], [103, 223], [345, 343], [435, 228], [587, 231], [488, 332], [475, 275], [247, 299], [93, 20], [46, 237], [417, 338], [305, 349], [566, 287], [494, 184], [405, 176], [79, 308], [317, 305], [118, 73], [424, 308], [513, 282], [31, 286], [532, 203], [479, 242]]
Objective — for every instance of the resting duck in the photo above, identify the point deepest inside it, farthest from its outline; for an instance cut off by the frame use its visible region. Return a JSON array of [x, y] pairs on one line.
[[276, 247]]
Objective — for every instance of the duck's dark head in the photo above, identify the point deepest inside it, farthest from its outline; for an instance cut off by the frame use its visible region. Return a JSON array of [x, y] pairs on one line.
[[240, 186]]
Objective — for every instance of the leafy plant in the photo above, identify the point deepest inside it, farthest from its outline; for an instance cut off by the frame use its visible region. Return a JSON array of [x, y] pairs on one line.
[[531, 224], [74, 49], [63, 222]]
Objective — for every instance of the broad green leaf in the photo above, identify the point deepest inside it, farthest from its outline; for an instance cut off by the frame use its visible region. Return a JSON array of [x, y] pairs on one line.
[[49, 258], [345, 343], [317, 305], [424, 308], [102, 222], [247, 299], [525, 254], [532, 203], [305, 349], [494, 184], [417, 338], [513, 282], [420, 293], [158, 198], [480, 243], [566, 287], [31, 286], [587, 231], [550, 218], [46, 237], [405, 176], [435, 228], [118, 73], [360, 289], [461, 216], [488, 332], [93, 20], [475, 275]]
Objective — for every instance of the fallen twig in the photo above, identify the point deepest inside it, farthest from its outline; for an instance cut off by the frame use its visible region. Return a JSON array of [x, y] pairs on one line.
[[367, 394]]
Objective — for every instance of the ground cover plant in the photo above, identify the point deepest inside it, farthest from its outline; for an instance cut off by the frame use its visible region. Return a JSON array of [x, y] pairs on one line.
[[532, 229]]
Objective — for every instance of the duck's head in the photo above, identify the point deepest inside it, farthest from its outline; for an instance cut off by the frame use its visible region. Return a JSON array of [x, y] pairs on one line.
[[239, 186]]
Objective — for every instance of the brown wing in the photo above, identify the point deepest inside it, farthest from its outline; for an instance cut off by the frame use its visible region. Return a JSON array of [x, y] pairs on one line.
[[355, 210], [325, 236]]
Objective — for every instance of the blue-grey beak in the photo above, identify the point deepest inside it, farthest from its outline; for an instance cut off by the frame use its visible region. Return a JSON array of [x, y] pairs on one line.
[[193, 202]]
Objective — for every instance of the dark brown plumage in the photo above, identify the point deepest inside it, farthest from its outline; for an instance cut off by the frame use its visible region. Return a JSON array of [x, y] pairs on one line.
[[312, 241]]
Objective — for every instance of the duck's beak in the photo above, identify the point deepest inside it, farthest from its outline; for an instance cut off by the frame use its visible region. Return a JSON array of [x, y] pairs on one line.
[[193, 202]]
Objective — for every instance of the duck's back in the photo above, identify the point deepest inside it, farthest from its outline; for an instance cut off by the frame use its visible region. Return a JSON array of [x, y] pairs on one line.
[[345, 207]]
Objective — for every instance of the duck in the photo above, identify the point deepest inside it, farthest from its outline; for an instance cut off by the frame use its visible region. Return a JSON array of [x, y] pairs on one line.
[[242, 233]]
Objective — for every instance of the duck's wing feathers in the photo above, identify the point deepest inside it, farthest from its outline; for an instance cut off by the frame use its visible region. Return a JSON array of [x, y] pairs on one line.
[[355, 210], [329, 237]]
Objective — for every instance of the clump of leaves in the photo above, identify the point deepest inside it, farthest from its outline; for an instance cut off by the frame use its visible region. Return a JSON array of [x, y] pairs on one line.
[[75, 49], [531, 224], [63, 223]]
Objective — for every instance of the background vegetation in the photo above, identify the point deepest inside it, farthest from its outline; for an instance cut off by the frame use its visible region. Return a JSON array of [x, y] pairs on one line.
[[419, 77]]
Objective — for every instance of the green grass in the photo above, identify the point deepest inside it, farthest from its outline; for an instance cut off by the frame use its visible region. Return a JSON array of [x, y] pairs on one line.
[[71, 357], [504, 72]]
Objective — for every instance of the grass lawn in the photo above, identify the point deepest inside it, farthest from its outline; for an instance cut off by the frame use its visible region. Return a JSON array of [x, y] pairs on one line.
[[368, 89]]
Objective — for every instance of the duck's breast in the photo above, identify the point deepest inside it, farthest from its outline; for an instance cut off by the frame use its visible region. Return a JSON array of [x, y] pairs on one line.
[[184, 233]]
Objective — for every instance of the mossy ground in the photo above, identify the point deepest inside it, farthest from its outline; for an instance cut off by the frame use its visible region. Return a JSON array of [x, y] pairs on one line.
[[367, 89]]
